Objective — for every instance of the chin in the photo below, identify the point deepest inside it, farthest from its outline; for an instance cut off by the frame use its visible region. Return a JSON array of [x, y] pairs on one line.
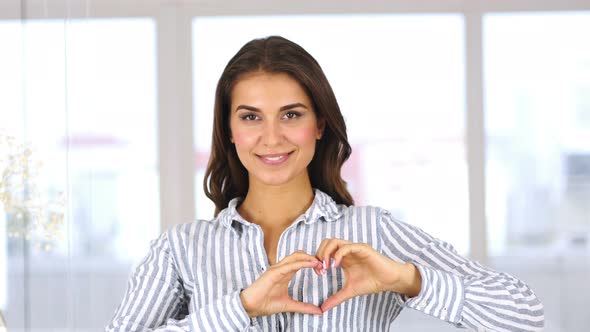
[[274, 181], [274, 178]]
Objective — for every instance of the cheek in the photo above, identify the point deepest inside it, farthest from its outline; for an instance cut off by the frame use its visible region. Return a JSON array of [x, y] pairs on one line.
[[243, 139], [304, 136], [243, 144]]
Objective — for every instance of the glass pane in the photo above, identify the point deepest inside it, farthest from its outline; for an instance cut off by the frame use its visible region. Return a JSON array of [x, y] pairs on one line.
[[83, 97], [385, 89], [10, 126], [537, 104]]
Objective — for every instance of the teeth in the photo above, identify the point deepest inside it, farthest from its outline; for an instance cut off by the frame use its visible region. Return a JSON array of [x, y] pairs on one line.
[[274, 158]]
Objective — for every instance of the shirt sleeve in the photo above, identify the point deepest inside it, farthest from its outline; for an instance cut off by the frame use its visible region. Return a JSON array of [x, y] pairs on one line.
[[457, 290], [156, 301]]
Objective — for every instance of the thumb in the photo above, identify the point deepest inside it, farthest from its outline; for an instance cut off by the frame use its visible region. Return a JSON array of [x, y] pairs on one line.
[[334, 300], [302, 308]]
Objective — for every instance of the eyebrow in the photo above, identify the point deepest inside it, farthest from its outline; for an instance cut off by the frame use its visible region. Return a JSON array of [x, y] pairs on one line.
[[283, 108]]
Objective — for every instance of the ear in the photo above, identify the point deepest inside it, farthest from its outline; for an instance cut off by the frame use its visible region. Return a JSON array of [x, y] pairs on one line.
[[321, 127]]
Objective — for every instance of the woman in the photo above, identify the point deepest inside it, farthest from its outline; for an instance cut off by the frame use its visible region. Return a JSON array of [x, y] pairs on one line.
[[287, 249]]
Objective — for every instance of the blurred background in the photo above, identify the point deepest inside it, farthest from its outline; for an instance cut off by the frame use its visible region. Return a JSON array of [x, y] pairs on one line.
[[469, 119]]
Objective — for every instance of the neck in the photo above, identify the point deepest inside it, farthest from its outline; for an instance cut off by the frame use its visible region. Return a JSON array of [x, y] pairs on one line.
[[274, 208]]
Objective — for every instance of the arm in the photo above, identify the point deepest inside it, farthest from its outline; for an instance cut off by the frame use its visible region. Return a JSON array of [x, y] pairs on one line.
[[155, 300], [458, 290]]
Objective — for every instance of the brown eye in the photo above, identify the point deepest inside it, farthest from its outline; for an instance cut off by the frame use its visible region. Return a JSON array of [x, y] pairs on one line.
[[249, 117], [292, 115]]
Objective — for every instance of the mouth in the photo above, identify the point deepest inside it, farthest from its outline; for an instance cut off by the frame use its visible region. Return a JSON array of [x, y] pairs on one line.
[[274, 159]]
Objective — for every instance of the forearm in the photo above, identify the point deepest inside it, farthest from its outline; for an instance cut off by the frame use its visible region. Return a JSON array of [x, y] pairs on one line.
[[456, 289], [223, 314], [481, 298], [410, 281]]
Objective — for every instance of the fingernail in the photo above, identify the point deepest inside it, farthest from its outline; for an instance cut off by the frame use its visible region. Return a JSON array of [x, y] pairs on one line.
[[324, 264]]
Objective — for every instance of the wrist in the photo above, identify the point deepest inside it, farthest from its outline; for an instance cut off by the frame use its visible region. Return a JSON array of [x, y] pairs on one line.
[[246, 304], [412, 281], [409, 282]]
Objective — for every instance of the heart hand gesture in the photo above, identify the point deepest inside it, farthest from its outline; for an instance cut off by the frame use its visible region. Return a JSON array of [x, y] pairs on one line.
[[366, 271], [269, 294]]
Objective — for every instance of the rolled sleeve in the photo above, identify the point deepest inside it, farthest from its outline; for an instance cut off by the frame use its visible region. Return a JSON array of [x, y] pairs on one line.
[[441, 296], [226, 313]]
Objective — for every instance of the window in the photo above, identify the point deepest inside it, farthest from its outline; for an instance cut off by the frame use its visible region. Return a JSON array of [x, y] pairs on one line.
[[537, 73], [82, 93], [389, 73], [537, 113]]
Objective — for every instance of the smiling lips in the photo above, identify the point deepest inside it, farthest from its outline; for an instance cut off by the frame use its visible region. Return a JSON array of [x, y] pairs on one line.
[[275, 158]]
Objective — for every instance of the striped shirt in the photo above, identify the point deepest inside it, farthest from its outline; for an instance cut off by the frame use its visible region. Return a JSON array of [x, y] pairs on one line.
[[193, 274]]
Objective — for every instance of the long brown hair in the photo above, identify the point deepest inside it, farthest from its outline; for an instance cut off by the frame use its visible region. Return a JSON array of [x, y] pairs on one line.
[[226, 177]]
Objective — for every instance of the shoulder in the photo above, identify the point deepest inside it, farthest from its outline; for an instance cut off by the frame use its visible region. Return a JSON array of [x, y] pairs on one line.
[[365, 211], [325, 206], [361, 216], [186, 228], [180, 236], [360, 211], [383, 218]]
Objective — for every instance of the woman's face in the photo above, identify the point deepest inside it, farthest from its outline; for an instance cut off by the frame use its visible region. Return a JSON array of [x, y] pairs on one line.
[[273, 127]]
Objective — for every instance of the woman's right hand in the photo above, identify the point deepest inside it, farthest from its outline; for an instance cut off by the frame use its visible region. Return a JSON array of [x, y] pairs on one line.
[[269, 294]]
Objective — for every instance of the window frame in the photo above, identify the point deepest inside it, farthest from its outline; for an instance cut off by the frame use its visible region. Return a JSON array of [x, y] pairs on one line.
[[174, 75]]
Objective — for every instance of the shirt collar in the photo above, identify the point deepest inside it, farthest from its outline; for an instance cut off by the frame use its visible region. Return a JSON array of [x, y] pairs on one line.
[[323, 207]]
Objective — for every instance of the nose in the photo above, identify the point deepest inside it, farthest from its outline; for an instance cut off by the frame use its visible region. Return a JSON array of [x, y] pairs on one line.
[[271, 134]]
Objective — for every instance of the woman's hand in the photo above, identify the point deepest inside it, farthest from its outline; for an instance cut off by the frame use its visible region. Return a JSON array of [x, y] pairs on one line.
[[366, 271], [269, 294]]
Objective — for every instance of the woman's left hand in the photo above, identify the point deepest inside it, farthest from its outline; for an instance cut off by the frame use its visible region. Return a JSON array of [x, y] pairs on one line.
[[366, 271]]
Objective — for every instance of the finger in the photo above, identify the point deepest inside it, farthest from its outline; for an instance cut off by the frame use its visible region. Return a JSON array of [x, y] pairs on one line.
[[319, 252], [300, 257], [329, 250], [295, 256], [323, 255], [334, 300], [318, 269], [321, 247], [289, 269], [303, 308], [348, 249]]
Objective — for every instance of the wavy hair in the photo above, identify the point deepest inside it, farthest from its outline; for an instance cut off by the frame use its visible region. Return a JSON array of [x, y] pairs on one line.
[[226, 177]]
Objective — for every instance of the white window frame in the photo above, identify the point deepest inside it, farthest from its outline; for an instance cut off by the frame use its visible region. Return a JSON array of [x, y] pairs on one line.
[[175, 104]]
